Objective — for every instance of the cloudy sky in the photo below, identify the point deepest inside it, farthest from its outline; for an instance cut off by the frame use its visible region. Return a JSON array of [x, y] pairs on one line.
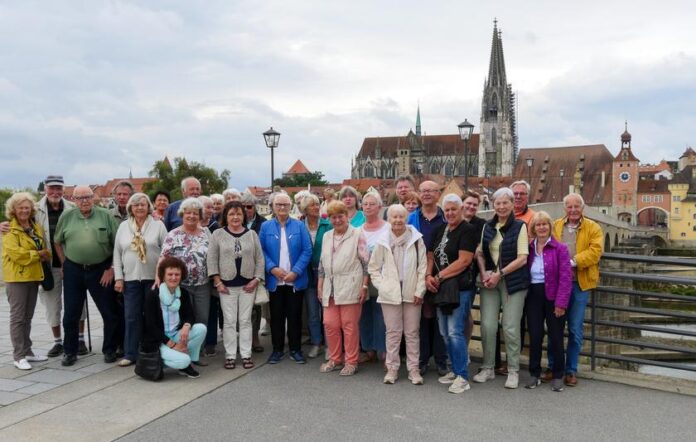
[[92, 89]]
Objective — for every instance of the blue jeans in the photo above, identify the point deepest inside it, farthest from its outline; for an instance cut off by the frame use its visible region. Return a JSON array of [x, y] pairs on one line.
[[452, 328], [314, 310], [133, 296], [575, 315], [373, 332]]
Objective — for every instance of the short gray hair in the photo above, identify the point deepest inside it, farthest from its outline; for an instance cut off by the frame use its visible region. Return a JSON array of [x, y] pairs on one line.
[[135, 199], [374, 195], [185, 180], [190, 204], [307, 200], [205, 200], [452, 198], [503, 191], [217, 197], [247, 198], [394, 208], [123, 183], [574, 195], [521, 183], [231, 191]]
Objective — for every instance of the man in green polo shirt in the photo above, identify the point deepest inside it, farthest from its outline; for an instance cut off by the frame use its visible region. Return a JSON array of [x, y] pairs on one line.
[[84, 241]]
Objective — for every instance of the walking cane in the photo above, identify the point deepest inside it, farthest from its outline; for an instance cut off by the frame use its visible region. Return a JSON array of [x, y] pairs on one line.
[[89, 331]]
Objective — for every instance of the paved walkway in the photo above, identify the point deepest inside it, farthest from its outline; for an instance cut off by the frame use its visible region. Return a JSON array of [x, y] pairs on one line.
[[97, 401]]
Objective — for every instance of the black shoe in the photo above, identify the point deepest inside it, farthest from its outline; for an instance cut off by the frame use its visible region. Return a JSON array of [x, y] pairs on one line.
[[110, 358], [68, 360], [82, 349], [56, 350], [200, 363], [190, 372], [119, 352]]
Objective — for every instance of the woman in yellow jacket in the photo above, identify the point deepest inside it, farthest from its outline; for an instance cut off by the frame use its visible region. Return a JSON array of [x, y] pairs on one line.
[[23, 250]]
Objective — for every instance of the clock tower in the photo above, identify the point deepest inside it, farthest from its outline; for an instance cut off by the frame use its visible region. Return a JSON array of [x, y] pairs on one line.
[[625, 181]]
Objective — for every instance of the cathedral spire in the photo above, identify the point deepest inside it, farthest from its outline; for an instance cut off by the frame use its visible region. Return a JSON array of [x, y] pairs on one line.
[[418, 122], [496, 67]]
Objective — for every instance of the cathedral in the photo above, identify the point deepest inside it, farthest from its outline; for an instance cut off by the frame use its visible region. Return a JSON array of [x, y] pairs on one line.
[[492, 152]]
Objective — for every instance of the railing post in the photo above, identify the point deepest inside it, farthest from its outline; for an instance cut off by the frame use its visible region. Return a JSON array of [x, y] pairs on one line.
[[593, 321]]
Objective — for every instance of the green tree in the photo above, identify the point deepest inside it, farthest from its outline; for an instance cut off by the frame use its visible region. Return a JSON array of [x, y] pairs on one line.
[[302, 179], [6, 193], [169, 179]]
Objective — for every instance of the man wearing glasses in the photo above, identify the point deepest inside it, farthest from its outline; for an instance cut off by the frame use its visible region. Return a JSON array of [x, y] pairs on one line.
[[521, 189], [427, 219], [84, 242]]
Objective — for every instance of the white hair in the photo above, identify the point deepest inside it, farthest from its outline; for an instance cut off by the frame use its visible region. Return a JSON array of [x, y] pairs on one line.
[[307, 200], [396, 208], [247, 198], [217, 197], [503, 191], [136, 198], [231, 191], [299, 196], [452, 198], [183, 182], [574, 195], [521, 183], [374, 195], [205, 199], [190, 204]]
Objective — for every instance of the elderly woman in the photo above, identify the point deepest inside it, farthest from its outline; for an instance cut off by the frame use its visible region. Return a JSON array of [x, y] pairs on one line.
[[253, 222], [287, 249], [189, 243], [450, 257], [547, 300], [137, 248], [24, 249], [350, 198], [169, 321], [161, 202], [342, 288], [235, 262], [372, 328], [231, 195], [397, 270], [329, 195], [502, 258], [218, 204], [208, 220], [317, 227], [412, 201]]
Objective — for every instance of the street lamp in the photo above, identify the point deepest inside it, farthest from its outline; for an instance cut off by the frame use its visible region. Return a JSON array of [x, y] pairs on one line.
[[271, 137], [530, 163], [465, 130], [562, 174]]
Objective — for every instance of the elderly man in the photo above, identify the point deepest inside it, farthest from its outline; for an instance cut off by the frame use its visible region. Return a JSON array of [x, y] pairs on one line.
[[190, 188], [584, 240], [427, 219], [121, 193], [404, 185], [84, 241], [521, 189]]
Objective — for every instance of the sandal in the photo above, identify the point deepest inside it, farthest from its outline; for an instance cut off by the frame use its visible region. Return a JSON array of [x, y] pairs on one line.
[[349, 370], [328, 366], [366, 357], [247, 363], [230, 363]]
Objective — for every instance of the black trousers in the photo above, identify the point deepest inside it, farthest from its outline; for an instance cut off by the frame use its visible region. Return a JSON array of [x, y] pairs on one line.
[[540, 309], [286, 305]]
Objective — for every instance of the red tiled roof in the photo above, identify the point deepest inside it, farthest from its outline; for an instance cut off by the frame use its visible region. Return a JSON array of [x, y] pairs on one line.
[[432, 144], [630, 157], [297, 168]]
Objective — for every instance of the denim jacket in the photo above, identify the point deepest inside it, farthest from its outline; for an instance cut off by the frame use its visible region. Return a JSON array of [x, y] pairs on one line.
[[299, 247]]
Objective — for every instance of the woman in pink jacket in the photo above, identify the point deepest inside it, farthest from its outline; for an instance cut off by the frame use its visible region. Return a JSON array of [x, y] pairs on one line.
[[551, 280]]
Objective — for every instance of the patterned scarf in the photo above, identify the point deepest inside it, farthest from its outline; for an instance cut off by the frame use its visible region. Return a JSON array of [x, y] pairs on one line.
[[138, 242], [169, 300]]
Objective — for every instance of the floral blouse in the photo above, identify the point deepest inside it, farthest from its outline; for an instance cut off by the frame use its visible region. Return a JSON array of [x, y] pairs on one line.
[[192, 250]]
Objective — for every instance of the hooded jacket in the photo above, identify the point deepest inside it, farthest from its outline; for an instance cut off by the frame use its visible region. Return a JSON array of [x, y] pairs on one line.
[[20, 257]]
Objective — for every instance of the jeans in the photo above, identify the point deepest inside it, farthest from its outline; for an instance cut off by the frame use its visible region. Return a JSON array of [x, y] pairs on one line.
[[575, 316], [133, 296], [176, 359], [372, 329], [314, 310], [452, 328], [540, 309], [286, 305], [76, 281]]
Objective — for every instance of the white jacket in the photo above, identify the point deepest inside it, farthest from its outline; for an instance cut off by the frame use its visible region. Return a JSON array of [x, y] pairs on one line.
[[343, 271], [385, 276]]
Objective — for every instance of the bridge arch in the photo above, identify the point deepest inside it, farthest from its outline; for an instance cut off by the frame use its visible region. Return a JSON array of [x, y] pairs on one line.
[[654, 216]]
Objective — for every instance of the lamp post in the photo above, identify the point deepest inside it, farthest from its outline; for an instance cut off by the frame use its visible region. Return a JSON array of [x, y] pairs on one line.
[[530, 163], [271, 137], [465, 130], [562, 174]]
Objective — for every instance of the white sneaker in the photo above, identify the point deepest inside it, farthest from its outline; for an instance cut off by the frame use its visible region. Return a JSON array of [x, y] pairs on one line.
[[37, 358], [314, 351], [447, 379], [513, 380], [391, 376], [415, 377], [22, 364], [486, 374], [460, 385]]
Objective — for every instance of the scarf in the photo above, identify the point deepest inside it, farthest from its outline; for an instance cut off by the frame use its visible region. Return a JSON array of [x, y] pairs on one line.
[[398, 248], [169, 300], [138, 242]]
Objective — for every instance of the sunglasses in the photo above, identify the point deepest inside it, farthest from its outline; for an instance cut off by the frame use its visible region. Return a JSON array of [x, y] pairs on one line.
[[249, 206]]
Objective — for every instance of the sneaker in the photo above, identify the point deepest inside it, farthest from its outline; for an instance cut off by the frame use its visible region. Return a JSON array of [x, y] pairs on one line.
[[56, 350], [68, 360], [22, 364], [557, 385], [298, 357], [125, 363], [36, 358], [82, 349], [391, 376], [513, 380], [110, 358], [275, 357], [415, 377], [447, 378], [486, 374], [547, 375], [190, 372], [460, 385], [314, 351], [210, 351], [533, 383]]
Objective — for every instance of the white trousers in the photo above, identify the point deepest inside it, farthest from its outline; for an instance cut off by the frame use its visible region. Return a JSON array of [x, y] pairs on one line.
[[236, 309]]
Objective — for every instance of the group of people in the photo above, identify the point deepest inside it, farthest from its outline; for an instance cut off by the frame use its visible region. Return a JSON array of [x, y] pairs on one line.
[[166, 276]]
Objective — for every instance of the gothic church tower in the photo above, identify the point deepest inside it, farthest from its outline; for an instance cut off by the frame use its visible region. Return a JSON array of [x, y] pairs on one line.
[[498, 142]]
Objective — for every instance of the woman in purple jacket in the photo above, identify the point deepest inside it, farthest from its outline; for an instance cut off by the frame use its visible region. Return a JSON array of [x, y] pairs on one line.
[[548, 296]]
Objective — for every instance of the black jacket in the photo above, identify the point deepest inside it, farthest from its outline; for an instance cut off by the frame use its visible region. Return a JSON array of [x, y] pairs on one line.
[[256, 224], [153, 322]]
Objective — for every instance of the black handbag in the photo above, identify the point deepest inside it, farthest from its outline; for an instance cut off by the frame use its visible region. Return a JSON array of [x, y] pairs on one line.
[[47, 283], [149, 365]]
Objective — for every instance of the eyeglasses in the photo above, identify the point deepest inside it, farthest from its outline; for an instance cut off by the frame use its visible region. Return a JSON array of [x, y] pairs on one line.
[[428, 191], [282, 205], [520, 193], [83, 198], [249, 206]]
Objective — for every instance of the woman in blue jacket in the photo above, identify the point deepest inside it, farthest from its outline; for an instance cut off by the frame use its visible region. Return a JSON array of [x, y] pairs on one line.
[[287, 249]]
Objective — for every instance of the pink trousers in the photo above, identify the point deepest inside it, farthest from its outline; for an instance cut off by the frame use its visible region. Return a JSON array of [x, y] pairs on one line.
[[341, 324], [402, 319]]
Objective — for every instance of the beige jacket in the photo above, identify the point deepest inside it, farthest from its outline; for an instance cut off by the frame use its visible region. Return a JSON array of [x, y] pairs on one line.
[[385, 276], [343, 270], [221, 256]]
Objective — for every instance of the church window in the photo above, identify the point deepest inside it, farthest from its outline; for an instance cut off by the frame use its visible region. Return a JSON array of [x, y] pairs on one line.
[[434, 169], [494, 139], [449, 168], [369, 171]]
